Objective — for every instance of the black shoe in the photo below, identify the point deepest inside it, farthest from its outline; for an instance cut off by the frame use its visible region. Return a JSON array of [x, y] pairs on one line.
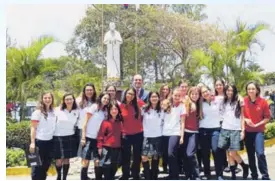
[[265, 178], [245, 172], [233, 177], [254, 178], [165, 170], [123, 178], [226, 169]]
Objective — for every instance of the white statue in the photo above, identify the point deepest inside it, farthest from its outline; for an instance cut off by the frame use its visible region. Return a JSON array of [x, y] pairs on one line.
[[113, 41]]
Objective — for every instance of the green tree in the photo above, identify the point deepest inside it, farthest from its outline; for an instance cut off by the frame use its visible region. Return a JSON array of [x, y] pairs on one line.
[[227, 59], [161, 40], [23, 68]]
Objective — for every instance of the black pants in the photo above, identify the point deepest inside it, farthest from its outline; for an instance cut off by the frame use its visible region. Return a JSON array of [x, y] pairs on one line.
[[209, 138], [171, 152], [164, 158], [128, 142], [189, 149], [254, 142], [45, 152]]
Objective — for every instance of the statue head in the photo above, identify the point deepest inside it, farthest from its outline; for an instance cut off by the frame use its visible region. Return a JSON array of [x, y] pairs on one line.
[[112, 26]]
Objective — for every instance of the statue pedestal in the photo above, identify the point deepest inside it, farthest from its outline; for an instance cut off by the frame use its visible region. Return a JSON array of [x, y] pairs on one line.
[[117, 83]]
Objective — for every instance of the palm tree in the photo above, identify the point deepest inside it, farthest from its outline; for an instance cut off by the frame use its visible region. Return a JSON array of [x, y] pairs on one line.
[[23, 70]]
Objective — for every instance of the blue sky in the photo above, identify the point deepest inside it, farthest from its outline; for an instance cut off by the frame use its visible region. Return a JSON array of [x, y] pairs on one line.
[[26, 22]]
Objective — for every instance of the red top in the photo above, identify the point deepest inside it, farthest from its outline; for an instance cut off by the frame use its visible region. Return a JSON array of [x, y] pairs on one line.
[[191, 122], [109, 134], [131, 125], [256, 111]]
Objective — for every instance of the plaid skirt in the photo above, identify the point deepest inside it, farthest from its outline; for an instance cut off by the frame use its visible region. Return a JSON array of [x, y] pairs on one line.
[[109, 156], [64, 147], [152, 147], [89, 150]]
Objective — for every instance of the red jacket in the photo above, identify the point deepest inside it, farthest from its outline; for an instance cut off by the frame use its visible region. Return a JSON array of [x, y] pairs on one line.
[[109, 134], [256, 111], [131, 125]]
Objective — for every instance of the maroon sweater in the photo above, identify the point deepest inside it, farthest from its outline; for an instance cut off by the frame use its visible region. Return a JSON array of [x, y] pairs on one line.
[[192, 122], [109, 134]]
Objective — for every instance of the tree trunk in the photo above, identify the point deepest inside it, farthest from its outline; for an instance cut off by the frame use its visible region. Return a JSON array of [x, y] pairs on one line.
[[156, 70], [22, 110]]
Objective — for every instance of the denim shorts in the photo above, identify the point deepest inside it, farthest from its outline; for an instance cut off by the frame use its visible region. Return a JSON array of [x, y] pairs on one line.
[[230, 140]]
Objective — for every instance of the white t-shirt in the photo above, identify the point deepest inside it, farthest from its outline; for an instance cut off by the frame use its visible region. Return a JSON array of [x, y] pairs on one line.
[[211, 113], [45, 128], [83, 112], [152, 123], [230, 121], [66, 121], [95, 121], [172, 121]]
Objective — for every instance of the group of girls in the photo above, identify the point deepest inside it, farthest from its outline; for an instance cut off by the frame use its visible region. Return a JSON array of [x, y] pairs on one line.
[[171, 124]]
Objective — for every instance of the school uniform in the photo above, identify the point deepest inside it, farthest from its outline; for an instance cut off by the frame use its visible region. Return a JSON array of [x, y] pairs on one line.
[[254, 137], [109, 140], [89, 150], [64, 140], [132, 132], [171, 133], [190, 144], [152, 147], [230, 135], [209, 131], [44, 142], [80, 123]]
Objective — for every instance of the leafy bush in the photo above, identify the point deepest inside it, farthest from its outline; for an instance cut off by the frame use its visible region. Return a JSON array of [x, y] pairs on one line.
[[10, 121], [15, 157], [18, 135], [270, 130]]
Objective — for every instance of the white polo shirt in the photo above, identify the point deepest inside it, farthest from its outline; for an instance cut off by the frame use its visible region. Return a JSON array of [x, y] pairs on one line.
[[95, 121], [211, 113], [152, 123], [230, 121], [172, 121], [66, 122], [46, 126], [82, 116]]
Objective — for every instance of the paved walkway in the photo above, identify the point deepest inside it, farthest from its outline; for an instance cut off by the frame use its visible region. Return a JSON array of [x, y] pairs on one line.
[[74, 173]]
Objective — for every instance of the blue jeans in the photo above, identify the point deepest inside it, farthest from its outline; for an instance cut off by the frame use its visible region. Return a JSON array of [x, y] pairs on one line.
[[171, 143], [189, 149], [254, 142], [209, 138]]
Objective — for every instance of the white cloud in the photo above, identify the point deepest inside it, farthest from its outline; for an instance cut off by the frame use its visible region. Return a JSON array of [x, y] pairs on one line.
[[26, 22], [252, 14], [31, 21]]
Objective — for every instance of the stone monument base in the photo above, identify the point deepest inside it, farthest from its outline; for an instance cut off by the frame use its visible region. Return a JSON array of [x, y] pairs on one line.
[[117, 83]]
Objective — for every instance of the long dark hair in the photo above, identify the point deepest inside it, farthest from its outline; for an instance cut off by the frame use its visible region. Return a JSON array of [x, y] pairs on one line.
[[119, 117], [42, 107], [149, 104], [223, 83], [64, 106], [84, 99], [234, 100], [134, 101], [256, 85], [99, 103]]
